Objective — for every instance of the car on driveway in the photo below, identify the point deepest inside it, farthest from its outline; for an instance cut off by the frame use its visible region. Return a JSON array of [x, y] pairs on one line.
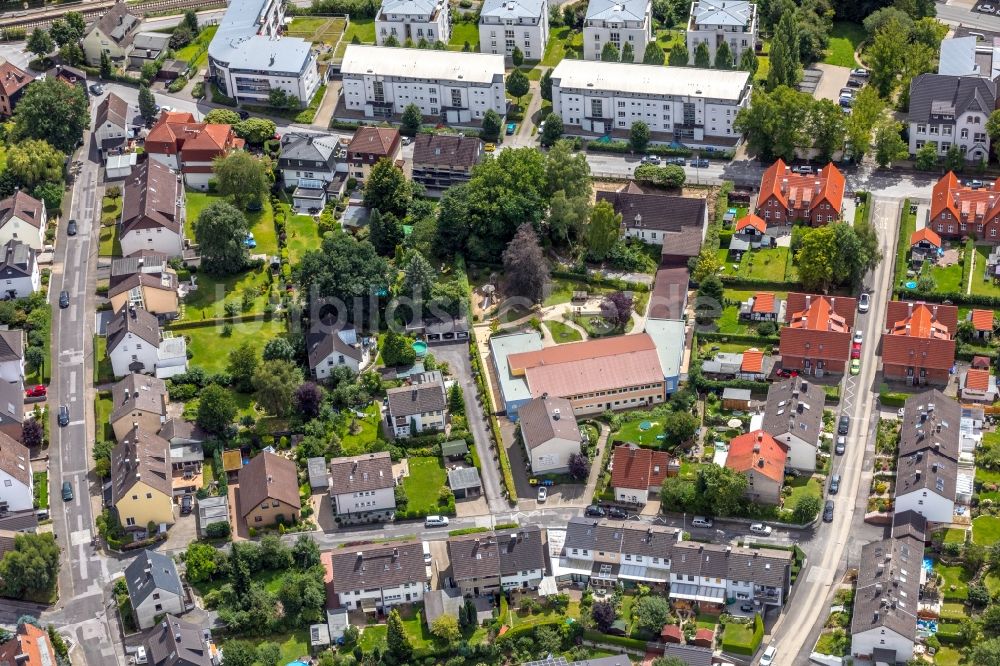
[[844, 425], [71, 228], [490, 147], [37, 391], [543, 494], [860, 72], [747, 608], [511, 128], [595, 511], [855, 366], [865, 302], [63, 299], [761, 529], [835, 484], [185, 505], [96, 89]]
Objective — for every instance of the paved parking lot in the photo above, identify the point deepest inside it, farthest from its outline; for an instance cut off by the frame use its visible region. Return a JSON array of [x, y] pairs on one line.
[[834, 78]]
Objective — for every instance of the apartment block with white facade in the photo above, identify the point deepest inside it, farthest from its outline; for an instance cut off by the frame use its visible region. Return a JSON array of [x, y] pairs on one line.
[[415, 20], [249, 56], [377, 576], [717, 21], [619, 22], [948, 111], [691, 106], [457, 88], [505, 24], [362, 484]]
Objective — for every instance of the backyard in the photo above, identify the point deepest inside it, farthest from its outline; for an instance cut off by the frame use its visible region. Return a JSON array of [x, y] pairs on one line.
[[980, 284], [642, 432], [946, 278], [986, 530], [195, 54], [102, 416], [423, 485], [462, 32], [111, 210], [359, 434], [561, 332], [771, 264], [209, 299], [803, 486], [907, 225], [318, 29], [209, 346], [956, 581], [363, 29], [845, 38], [294, 645], [261, 222], [103, 372], [301, 234]]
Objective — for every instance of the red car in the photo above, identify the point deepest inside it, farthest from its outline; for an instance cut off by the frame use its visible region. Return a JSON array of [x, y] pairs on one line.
[[856, 350], [36, 392]]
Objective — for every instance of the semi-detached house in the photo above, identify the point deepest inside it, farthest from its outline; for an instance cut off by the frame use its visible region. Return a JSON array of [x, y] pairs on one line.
[[786, 197], [19, 274], [793, 415], [375, 577], [181, 143], [918, 346], [817, 337], [959, 211], [16, 479], [152, 210], [489, 562], [362, 484]]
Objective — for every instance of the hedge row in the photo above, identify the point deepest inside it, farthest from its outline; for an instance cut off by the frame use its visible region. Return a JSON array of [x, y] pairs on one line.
[[739, 337], [600, 281], [892, 398], [717, 385], [736, 282], [220, 321], [522, 629], [949, 633], [747, 650], [484, 391], [953, 297], [967, 352], [621, 641]]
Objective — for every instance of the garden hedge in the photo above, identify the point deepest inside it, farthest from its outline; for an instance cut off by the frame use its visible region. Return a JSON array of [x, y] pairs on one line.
[[621, 641], [743, 648], [954, 297], [739, 337], [736, 282]]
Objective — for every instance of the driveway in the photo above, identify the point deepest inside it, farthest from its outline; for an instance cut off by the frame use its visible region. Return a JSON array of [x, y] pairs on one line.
[[456, 355], [834, 78]]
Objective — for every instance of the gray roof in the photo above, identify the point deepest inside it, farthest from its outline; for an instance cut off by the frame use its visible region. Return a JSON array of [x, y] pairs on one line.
[[931, 422], [933, 94], [909, 523], [513, 8], [140, 456], [11, 344], [179, 430], [355, 474], [174, 642], [117, 24], [926, 470], [151, 199], [138, 392], [657, 212], [454, 447], [545, 418], [464, 477], [15, 459], [442, 602], [17, 260], [112, 109], [368, 566], [238, 43], [617, 10], [11, 402], [308, 147], [320, 345], [318, 478], [496, 553], [888, 586], [139, 262], [136, 321], [559, 660], [151, 572], [409, 7], [425, 394], [186, 453], [729, 13], [794, 407]]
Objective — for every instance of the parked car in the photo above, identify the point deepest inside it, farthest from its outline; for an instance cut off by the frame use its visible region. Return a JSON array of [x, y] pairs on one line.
[[243, 114], [63, 415], [841, 445], [855, 366], [679, 161], [407, 140], [702, 521], [854, 83], [835, 484], [490, 147], [650, 159], [975, 184], [986, 9], [828, 512], [847, 92], [700, 163], [595, 511], [543, 494], [747, 608], [860, 72], [856, 350], [761, 529], [844, 425], [250, 241], [71, 228], [427, 553], [803, 169], [436, 521], [859, 336], [615, 512], [185, 505], [511, 128], [67, 491], [96, 89], [37, 391], [63, 299], [768, 657], [865, 302], [846, 100]]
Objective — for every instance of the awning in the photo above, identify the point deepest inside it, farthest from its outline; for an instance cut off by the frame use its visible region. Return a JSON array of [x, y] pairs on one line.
[[566, 566], [369, 605], [683, 591], [641, 573], [715, 595]]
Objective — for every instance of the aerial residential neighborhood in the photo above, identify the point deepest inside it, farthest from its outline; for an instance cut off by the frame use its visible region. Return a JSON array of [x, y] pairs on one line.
[[461, 332]]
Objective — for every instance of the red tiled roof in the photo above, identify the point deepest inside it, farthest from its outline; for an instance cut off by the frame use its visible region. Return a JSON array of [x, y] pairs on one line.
[[763, 302], [950, 195], [760, 452], [634, 467], [671, 633], [982, 320], [374, 141], [25, 648], [704, 634], [779, 181], [818, 315], [919, 321], [843, 306], [926, 234], [751, 220], [981, 362], [897, 311], [927, 343], [977, 380], [13, 78], [753, 361]]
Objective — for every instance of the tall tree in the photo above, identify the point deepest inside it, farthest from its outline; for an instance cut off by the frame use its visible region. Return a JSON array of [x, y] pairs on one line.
[[387, 189], [105, 67], [638, 136], [191, 21], [602, 232], [243, 364], [679, 56], [653, 55], [545, 85], [720, 490], [785, 63], [702, 56], [398, 644], [617, 308], [147, 104], [748, 62], [411, 120], [926, 158], [40, 43], [222, 117], [816, 257], [885, 57], [492, 123], [345, 269], [418, 276], [221, 231], [525, 266], [385, 232], [628, 53], [517, 57], [567, 170], [827, 127], [243, 177], [274, 383], [52, 111], [553, 130], [889, 145], [34, 161], [567, 218], [610, 52], [255, 131], [867, 110], [517, 85], [723, 56], [216, 409], [453, 224], [31, 567]]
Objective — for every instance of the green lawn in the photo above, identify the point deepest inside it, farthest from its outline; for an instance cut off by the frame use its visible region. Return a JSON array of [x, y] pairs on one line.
[[561, 291], [710, 348], [517, 618], [954, 535], [953, 576], [427, 477], [363, 29], [103, 372], [367, 432], [210, 349], [631, 432], [102, 416], [729, 321], [953, 611], [293, 645], [302, 235], [562, 40], [111, 210], [373, 636], [979, 284], [261, 222], [992, 583], [947, 656], [41, 489], [907, 225], [562, 333], [844, 40], [195, 54], [834, 642], [462, 32], [416, 629], [802, 487], [764, 264], [738, 634], [209, 299], [317, 29], [946, 279], [986, 530]]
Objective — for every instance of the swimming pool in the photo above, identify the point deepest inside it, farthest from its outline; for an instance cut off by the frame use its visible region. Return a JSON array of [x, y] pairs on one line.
[[928, 565], [420, 347]]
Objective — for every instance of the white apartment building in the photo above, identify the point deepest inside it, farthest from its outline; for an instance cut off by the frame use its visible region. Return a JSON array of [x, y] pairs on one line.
[[248, 56], [695, 107], [377, 576], [951, 110], [618, 22], [458, 88], [717, 21], [504, 24], [414, 20]]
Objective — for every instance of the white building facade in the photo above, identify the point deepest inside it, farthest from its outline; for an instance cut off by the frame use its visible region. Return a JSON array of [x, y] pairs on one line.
[[458, 88], [413, 20], [505, 24], [693, 106], [715, 21], [16, 479], [951, 111], [379, 499], [619, 22]]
